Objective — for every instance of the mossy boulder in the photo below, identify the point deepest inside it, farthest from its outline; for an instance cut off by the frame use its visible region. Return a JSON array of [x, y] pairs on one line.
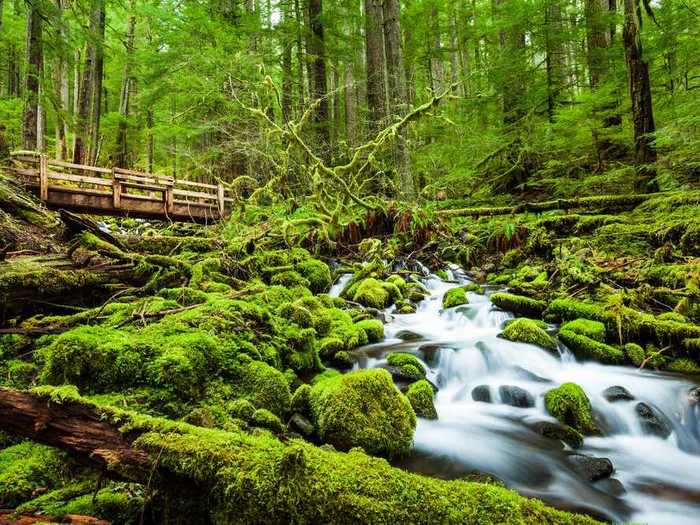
[[242, 409], [290, 279], [420, 394], [363, 409], [592, 329], [28, 468], [317, 274], [265, 387], [403, 359], [587, 348], [571, 406], [635, 354], [265, 419], [373, 328], [454, 297], [523, 330], [683, 365], [519, 304], [371, 292]]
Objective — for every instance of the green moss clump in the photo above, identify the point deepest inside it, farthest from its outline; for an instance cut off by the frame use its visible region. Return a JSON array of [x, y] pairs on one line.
[[571, 406], [317, 274], [692, 345], [592, 329], [184, 296], [474, 288], [684, 365], [519, 304], [672, 316], [402, 359], [454, 297], [265, 419], [398, 281], [587, 348], [300, 400], [265, 387], [242, 409], [27, 468], [371, 292], [289, 279], [420, 394], [363, 409], [635, 353], [412, 373], [373, 328], [523, 330]]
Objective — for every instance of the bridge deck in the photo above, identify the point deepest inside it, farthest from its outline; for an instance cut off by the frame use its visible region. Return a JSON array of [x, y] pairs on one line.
[[116, 191]]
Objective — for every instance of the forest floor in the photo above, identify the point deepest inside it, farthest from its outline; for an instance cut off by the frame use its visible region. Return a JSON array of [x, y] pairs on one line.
[[164, 370]]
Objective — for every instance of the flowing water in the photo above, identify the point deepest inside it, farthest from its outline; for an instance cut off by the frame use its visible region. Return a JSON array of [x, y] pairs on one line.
[[655, 480]]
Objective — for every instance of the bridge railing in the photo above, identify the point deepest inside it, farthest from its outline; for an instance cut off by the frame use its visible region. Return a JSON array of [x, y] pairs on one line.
[[41, 172]]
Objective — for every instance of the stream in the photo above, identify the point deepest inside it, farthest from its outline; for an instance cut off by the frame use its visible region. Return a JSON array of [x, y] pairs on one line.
[[655, 480]]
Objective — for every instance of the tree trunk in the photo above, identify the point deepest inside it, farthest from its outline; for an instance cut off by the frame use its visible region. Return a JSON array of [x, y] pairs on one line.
[[300, 56], [597, 41], [512, 64], [121, 157], [437, 70], [556, 57], [374, 49], [320, 92], [397, 92], [287, 81], [639, 86], [97, 76], [351, 130], [35, 65]]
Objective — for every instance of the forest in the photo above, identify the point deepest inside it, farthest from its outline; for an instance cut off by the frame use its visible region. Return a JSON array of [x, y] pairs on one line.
[[362, 261]]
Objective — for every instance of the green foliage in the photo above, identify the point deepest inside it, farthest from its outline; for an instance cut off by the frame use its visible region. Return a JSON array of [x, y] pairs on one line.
[[373, 328], [518, 304], [525, 330], [420, 394], [570, 405], [587, 348], [265, 419], [371, 292], [363, 409], [26, 469], [454, 297], [591, 329], [265, 387]]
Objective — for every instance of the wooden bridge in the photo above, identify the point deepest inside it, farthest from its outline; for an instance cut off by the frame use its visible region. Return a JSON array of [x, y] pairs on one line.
[[116, 191]]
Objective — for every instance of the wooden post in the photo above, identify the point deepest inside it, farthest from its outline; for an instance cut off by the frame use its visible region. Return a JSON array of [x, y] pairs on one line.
[[43, 178], [168, 196], [220, 198], [116, 191]]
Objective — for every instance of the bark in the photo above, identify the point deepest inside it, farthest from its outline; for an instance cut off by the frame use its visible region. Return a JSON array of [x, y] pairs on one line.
[[84, 92], [97, 76], [639, 86], [300, 57], [351, 129], [597, 41], [437, 71], [287, 80], [555, 59], [121, 157], [35, 65], [512, 65], [397, 92], [62, 95], [374, 49], [320, 83]]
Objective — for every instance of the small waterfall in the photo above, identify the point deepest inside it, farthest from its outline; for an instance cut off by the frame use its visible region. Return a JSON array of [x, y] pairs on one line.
[[655, 480]]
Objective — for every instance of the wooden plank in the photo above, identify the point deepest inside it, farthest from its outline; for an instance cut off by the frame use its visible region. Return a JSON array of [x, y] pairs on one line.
[[143, 187], [123, 171], [197, 194], [43, 178], [195, 184], [220, 191], [64, 164], [144, 180], [168, 196], [116, 193], [69, 177]]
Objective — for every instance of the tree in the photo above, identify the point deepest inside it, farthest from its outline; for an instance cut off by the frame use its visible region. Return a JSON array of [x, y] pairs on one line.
[[374, 49], [31, 122], [318, 57], [121, 154]]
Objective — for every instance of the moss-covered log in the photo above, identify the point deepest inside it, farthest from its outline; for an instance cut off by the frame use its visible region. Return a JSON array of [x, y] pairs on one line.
[[257, 478]]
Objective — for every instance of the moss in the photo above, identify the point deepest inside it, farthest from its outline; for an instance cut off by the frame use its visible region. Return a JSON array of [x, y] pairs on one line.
[[363, 409], [692, 345], [265, 387], [684, 365], [420, 394], [454, 297], [402, 359], [398, 281], [591, 329], [265, 419], [26, 469], [184, 296], [405, 308], [317, 274], [300, 400], [525, 330], [17, 373], [474, 288], [343, 360], [412, 373], [329, 346], [672, 316], [371, 292], [289, 279], [635, 353], [519, 304], [570, 405], [587, 348], [373, 328], [442, 274], [242, 409]]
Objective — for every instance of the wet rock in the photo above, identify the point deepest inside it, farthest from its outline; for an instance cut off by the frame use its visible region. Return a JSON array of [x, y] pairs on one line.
[[558, 431], [612, 486], [652, 421], [526, 375], [301, 425], [430, 353], [407, 335], [617, 393], [590, 468], [694, 396], [516, 396], [482, 393]]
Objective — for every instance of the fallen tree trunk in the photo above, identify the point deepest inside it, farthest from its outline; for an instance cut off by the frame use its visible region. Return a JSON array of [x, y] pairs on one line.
[[598, 201], [253, 478]]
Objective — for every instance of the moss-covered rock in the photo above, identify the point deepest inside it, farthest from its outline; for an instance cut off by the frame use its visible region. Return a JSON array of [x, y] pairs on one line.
[[265, 387], [265, 419], [401, 359], [592, 329], [518, 304], [635, 354], [571, 406], [454, 297], [523, 330], [587, 348], [371, 292], [242, 409], [684, 365], [27, 469], [420, 394], [363, 409], [317, 274], [289, 279], [373, 328]]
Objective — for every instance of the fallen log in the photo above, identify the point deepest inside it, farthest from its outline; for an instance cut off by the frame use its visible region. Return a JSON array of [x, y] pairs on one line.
[[597, 201], [250, 478]]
